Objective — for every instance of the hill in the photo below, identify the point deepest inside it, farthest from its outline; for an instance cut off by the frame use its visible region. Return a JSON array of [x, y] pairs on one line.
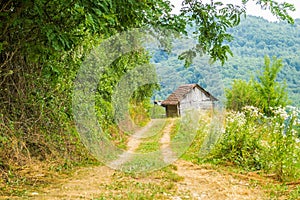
[[254, 38]]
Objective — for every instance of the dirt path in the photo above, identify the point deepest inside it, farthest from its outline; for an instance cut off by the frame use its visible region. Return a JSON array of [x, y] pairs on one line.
[[204, 182], [198, 181], [165, 140], [84, 184], [133, 143]]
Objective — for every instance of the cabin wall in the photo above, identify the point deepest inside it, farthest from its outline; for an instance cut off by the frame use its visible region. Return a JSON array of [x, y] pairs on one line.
[[195, 99]]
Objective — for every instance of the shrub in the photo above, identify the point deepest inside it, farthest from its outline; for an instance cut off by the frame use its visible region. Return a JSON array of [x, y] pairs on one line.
[[257, 142], [263, 91]]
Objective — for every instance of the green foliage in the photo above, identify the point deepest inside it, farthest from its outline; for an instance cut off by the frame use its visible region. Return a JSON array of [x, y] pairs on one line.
[[269, 91], [202, 142], [241, 94], [211, 21], [240, 142], [257, 142], [140, 111], [186, 131], [109, 79], [43, 44], [255, 38], [265, 93], [157, 111], [282, 153], [211, 24]]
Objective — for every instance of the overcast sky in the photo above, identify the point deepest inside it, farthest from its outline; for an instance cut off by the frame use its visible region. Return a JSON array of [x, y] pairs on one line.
[[252, 8]]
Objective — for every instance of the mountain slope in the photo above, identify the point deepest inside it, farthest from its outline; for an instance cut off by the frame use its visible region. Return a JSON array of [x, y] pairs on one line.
[[253, 39]]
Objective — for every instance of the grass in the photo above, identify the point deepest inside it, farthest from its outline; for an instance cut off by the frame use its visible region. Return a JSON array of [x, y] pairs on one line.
[[149, 185], [186, 138], [157, 112], [37, 175], [143, 163], [151, 144], [148, 155]]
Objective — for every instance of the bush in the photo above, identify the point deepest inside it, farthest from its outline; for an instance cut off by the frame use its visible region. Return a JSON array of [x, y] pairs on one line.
[[241, 94], [263, 92], [257, 142], [240, 143]]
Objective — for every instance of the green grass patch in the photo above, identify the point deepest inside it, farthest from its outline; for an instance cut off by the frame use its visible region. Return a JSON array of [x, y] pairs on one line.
[[159, 184], [151, 144], [188, 134]]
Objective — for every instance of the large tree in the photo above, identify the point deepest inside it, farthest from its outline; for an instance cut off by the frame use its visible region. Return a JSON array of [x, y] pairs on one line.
[[42, 45]]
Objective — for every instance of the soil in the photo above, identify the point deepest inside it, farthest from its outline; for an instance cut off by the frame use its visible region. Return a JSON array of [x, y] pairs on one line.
[[203, 182]]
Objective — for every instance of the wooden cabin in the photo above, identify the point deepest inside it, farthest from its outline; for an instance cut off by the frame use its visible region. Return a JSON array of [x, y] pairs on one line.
[[188, 97]]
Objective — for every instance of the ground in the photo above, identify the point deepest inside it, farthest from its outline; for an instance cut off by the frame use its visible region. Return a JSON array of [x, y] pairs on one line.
[[179, 180], [198, 182]]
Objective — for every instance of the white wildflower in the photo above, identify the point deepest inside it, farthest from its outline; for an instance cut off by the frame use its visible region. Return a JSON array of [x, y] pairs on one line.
[[238, 117], [294, 132], [254, 111], [281, 112]]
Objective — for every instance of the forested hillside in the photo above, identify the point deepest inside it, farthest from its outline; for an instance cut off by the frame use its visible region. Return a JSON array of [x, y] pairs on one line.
[[253, 39]]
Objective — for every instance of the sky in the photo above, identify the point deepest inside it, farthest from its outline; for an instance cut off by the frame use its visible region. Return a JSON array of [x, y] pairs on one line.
[[252, 8]]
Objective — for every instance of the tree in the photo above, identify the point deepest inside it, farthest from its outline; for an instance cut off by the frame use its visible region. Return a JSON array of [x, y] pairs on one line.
[[240, 95], [264, 92], [42, 45], [270, 92]]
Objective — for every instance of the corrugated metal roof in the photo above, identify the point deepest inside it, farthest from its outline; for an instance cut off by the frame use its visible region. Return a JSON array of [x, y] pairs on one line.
[[180, 93]]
